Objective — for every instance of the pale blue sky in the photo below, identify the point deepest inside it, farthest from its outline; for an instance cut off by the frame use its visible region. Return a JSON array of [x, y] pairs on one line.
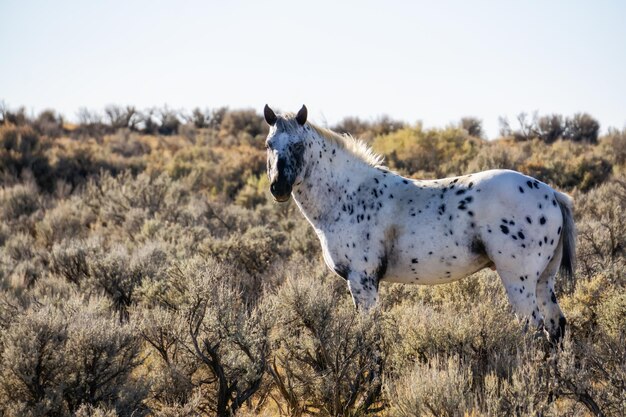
[[413, 60]]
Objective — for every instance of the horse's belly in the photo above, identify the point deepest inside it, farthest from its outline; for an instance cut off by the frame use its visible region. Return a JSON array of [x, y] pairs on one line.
[[435, 265], [430, 273]]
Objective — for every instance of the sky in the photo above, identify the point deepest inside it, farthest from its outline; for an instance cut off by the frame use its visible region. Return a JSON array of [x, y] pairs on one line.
[[426, 61]]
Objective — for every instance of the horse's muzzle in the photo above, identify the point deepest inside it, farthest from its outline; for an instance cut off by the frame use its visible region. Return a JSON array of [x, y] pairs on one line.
[[281, 191]]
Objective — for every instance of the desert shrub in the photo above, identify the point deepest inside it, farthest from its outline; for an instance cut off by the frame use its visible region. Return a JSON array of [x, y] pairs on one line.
[[613, 145], [119, 273], [21, 262], [69, 219], [433, 152], [563, 164], [367, 130], [221, 171], [114, 198], [56, 360], [473, 126], [254, 192], [549, 128], [328, 360], [582, 128], [19, 201], [243, 127], [601, 229], [122, 117], [48, 123], [444, 389], [251, 251], [469, 319], [21, 151], [222, 332], [75, 163]]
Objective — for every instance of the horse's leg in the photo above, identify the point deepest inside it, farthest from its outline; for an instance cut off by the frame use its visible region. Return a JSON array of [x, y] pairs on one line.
[[554, 318], [364, 290], [520, 287]]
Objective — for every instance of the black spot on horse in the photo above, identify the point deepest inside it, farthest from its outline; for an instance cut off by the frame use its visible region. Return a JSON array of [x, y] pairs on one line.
[[460, 192], [381, 270], [542, 220], [414, 260], [530, 184], [529, 220], [521, 190], [521, 235], [504, 229], [477, 246], [342, 270]]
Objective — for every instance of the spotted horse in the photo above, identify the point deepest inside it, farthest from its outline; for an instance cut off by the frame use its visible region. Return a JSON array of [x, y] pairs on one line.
[[375, 225]]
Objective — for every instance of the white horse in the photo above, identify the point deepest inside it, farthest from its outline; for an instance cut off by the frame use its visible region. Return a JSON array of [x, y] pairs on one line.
[[375, 225]]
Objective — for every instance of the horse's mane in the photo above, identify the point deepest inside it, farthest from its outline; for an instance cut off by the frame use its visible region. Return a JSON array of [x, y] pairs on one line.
[[355, 146]]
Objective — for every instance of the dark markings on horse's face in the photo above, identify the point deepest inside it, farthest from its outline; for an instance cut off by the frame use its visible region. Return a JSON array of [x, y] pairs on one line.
[[460, 192], [284, 161], [554, 202], [559, 230], [342, 270], [542, 220], [520, 235], [521, 190], [529, 220], [536, 184], [441, 209], [504, 229], [530, 184]]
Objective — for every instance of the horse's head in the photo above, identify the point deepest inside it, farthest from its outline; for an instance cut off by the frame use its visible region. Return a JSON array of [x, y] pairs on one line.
[[285, 151]]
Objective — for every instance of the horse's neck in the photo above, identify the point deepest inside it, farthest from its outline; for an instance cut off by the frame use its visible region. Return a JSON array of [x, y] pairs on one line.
[[331, 174]]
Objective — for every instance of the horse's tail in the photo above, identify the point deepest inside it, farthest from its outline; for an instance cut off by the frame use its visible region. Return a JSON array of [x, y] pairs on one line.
[[568, 235]]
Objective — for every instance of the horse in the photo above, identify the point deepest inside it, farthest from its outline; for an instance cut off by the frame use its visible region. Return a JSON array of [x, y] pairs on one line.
[[375, 225]]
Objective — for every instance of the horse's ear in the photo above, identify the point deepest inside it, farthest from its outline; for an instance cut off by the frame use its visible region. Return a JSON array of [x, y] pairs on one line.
[[270, 116], [301, 116]]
